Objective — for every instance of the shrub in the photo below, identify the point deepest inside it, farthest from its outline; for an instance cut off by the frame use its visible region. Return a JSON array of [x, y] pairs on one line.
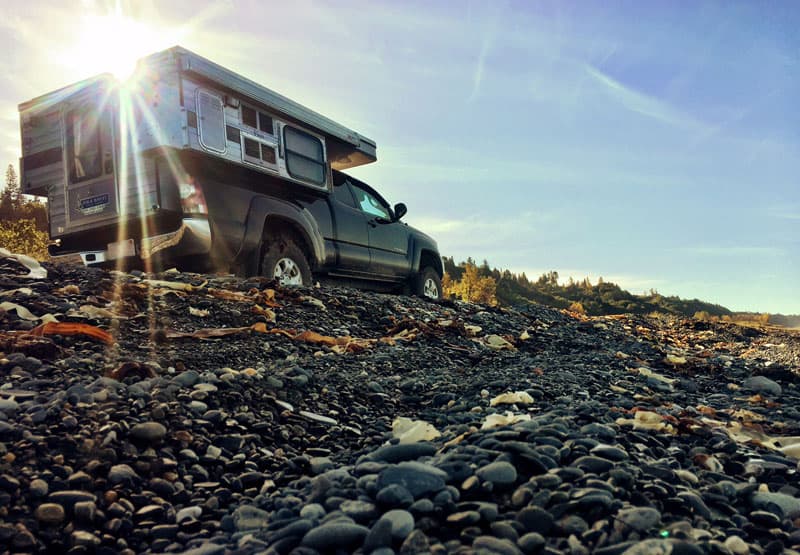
[[22, 237]]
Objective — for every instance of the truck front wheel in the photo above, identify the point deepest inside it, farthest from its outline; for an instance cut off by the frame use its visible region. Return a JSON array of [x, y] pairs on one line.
[[285, 261], [428, 284]]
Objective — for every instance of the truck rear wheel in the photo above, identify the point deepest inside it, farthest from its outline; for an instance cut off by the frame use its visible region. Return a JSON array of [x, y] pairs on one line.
[[428, 284], [285, 261]]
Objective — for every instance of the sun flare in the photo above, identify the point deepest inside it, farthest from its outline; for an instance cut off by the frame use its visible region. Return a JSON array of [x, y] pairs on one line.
[[113, 43]]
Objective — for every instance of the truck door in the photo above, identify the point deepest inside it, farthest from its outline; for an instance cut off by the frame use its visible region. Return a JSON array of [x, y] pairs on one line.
[[388, 240], [352, 236]]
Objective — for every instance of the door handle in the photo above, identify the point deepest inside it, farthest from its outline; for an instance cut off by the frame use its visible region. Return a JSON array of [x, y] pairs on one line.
[[373, 223]]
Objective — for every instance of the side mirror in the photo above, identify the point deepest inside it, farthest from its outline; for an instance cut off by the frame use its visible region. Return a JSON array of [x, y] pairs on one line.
[[400, 210]]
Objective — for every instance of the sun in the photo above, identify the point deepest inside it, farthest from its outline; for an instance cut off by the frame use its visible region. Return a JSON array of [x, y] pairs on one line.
[[113, 43]]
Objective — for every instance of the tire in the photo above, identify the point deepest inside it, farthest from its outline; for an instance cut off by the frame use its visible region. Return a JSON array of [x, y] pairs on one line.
[[285, 261], [428, 284]]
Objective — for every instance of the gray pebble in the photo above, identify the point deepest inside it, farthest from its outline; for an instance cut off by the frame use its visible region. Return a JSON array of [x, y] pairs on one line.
[[499, 473]]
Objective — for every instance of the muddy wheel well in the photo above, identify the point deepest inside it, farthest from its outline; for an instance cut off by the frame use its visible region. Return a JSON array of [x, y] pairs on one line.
[[279, 227], [428, 258]]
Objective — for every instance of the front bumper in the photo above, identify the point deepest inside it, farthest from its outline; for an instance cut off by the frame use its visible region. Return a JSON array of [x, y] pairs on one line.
[[193, 237]]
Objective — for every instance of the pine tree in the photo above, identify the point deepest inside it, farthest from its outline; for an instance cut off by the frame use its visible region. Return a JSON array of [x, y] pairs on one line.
[[10, 197]]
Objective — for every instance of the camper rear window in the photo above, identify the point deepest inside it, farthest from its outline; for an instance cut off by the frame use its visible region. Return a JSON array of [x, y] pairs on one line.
[[305, 158], [83, 144]]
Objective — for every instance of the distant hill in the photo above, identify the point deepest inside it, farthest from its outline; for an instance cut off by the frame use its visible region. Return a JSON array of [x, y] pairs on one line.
[[601, 298]]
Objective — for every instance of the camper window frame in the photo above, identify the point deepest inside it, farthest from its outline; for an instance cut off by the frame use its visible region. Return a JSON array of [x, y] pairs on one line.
[[200, 117], [288, 153], [260, 162], [259, 113]]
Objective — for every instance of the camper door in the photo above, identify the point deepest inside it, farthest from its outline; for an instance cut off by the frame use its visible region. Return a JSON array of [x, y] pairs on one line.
[[91, 190]]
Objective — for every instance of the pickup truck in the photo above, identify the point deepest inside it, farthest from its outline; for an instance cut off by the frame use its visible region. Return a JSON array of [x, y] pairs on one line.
[[190, 164]]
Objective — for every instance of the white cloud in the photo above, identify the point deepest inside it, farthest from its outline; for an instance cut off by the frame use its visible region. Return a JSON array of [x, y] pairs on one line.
[[787, 212], [487, 41], [731, 251], [641, 103]]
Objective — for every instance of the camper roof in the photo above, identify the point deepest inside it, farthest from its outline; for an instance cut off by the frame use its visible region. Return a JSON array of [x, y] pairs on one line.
[[363, 149]]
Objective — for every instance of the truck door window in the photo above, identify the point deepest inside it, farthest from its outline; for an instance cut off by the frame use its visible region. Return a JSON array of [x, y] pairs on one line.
[[341, 192], [83, 144], [305, 158], [370, 204]]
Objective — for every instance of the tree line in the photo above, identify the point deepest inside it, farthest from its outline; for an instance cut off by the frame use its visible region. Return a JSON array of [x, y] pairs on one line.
[[481, 283], [23, 220]]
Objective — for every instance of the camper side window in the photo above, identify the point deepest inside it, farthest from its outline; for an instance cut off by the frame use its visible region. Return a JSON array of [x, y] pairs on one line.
[[83, 144], [257, 120], [305, 158]]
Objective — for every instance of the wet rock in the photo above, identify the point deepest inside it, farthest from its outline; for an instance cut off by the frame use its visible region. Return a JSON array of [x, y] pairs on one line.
[[247, 517], [638, 519], [495, 545], [336, 534], [380, 535], [531, 542], [418, 478], [535, 519], [499, 473], [395, 495], [416, 543], [762, 384], [784, 505]]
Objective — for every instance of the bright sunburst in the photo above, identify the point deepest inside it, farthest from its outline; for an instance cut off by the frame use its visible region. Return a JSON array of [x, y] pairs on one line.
[[114, 42]]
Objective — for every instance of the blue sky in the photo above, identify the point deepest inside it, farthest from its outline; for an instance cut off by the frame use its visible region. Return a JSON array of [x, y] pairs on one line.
[[656, 144]]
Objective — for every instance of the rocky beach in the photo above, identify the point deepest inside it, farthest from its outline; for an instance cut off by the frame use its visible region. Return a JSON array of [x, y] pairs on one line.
[[200, 414]]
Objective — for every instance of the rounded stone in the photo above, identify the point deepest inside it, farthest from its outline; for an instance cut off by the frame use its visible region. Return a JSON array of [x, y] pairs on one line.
[[339, 534], [464, 518], [85, 511], [395, 495], [402, 523], [82, 538], [50, 514], [188, 513], [762, 384], [490, 544], [609, 452], [597, 465], [39, 488], [360, 511], [313, 511], [640, 519], [418, 478], [535, 519], [8, 483], [122, 474], [152, 432], [380, 535], [500, 473], [532, 542]]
